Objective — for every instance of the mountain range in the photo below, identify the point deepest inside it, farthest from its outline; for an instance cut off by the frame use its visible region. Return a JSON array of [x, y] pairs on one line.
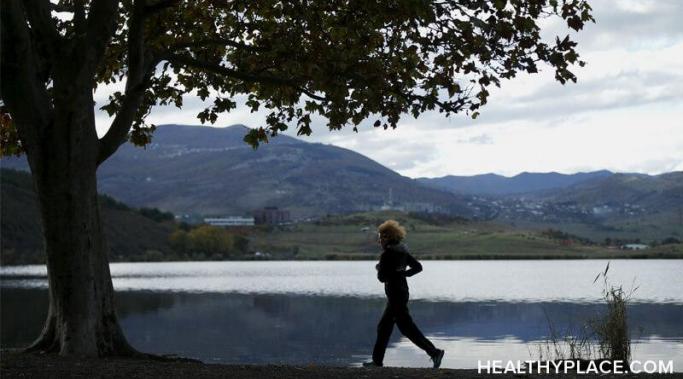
[[622, 206], [600, 198], [658, 192], [194, 170], [526, 182], [212, 171]]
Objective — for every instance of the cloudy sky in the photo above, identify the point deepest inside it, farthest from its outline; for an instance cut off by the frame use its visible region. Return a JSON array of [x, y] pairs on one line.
[[625, 113]]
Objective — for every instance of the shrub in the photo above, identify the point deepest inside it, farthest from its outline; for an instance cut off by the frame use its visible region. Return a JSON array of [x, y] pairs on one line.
[[157, 215], [208, 241], [670, 241], [179, 241], [110, 202]]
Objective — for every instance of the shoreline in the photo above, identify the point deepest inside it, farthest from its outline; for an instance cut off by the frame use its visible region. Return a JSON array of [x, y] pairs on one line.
[[14, 364], [341, 258]]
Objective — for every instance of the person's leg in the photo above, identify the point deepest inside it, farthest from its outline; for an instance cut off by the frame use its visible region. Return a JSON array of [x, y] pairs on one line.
[[408, 328], [384, 329]]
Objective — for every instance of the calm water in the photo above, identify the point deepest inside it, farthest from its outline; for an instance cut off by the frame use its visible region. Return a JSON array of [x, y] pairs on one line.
[[325, 312]]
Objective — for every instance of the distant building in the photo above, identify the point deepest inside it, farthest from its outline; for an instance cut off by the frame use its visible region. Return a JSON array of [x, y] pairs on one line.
[[271, 216], [634, 246], [230, 221]]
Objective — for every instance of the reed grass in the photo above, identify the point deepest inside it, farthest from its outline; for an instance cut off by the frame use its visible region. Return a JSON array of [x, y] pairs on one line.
[[604, 336]]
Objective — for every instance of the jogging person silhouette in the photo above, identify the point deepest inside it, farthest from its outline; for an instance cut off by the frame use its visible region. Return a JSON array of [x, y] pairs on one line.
[[392, 271]]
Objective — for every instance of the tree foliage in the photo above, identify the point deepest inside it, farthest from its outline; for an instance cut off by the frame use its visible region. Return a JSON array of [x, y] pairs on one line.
[[9, 140], [344, 60], [210, 241], [156, 214]]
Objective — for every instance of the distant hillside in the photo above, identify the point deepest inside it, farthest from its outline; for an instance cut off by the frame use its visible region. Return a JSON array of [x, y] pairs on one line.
[[620, 206], [211, 171], [129, 234], [492, 184], [656, 193], [134, 235], [198, 170]]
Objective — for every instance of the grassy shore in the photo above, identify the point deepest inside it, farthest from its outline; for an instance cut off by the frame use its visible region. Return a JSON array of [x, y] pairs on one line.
[[354, 237], [18, 365]]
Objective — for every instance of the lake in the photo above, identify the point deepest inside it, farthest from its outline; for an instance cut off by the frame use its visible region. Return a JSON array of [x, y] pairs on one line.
[[326, 312]]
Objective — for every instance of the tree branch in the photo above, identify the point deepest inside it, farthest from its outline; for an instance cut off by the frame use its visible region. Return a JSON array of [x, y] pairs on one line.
[[38, 15], [22, 91], [117, 134], [79, 17], [140, 70], [153, 8], [136, 44], [213, 41], [61, 8], [241, 75], [101, 25]]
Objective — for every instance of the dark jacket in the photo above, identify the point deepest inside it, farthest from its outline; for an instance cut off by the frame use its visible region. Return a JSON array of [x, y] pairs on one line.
[[392, 270]]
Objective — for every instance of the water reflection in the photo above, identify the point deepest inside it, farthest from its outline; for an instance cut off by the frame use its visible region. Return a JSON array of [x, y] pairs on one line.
[[338, 330]]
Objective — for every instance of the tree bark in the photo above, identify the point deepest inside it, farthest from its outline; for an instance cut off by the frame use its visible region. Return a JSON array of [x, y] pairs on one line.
[[82, 317], [56, 125]]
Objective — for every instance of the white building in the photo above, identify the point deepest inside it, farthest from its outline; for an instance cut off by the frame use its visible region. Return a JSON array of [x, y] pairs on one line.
[[635, 246], [230, 221]]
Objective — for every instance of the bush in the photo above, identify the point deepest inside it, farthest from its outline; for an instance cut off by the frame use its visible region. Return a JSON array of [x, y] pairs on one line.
[[670, 241], [110, 202], [241, 244], [179, 241], [211, 240], [208, 241], [157, 215]]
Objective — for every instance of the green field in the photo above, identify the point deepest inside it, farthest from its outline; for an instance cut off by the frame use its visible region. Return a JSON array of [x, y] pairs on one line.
[[647, 228], [354, 237]]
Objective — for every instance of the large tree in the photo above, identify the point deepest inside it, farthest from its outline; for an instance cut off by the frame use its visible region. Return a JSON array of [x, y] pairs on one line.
[[345, 60]]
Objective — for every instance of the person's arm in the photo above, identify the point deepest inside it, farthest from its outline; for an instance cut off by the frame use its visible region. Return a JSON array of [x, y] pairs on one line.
[[381, 270], [415, 266]]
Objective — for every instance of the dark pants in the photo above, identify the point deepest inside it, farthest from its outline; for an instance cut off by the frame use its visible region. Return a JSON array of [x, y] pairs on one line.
[[396, 312]]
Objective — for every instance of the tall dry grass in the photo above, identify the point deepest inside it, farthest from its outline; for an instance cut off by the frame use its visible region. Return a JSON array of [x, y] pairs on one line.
[[611, 328], [605, 336]]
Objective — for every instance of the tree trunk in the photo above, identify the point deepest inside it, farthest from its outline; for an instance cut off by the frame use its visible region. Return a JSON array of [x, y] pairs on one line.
[[48, 89], [81, 318]]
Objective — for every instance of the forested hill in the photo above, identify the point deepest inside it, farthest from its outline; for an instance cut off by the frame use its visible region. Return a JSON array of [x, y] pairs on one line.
[[130, 233], [212, 171]]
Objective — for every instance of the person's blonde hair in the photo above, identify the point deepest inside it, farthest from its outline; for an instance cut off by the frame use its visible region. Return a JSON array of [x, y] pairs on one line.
[[392, 231]]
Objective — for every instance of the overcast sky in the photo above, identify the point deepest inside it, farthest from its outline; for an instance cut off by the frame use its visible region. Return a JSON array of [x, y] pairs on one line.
[[624, 114]]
